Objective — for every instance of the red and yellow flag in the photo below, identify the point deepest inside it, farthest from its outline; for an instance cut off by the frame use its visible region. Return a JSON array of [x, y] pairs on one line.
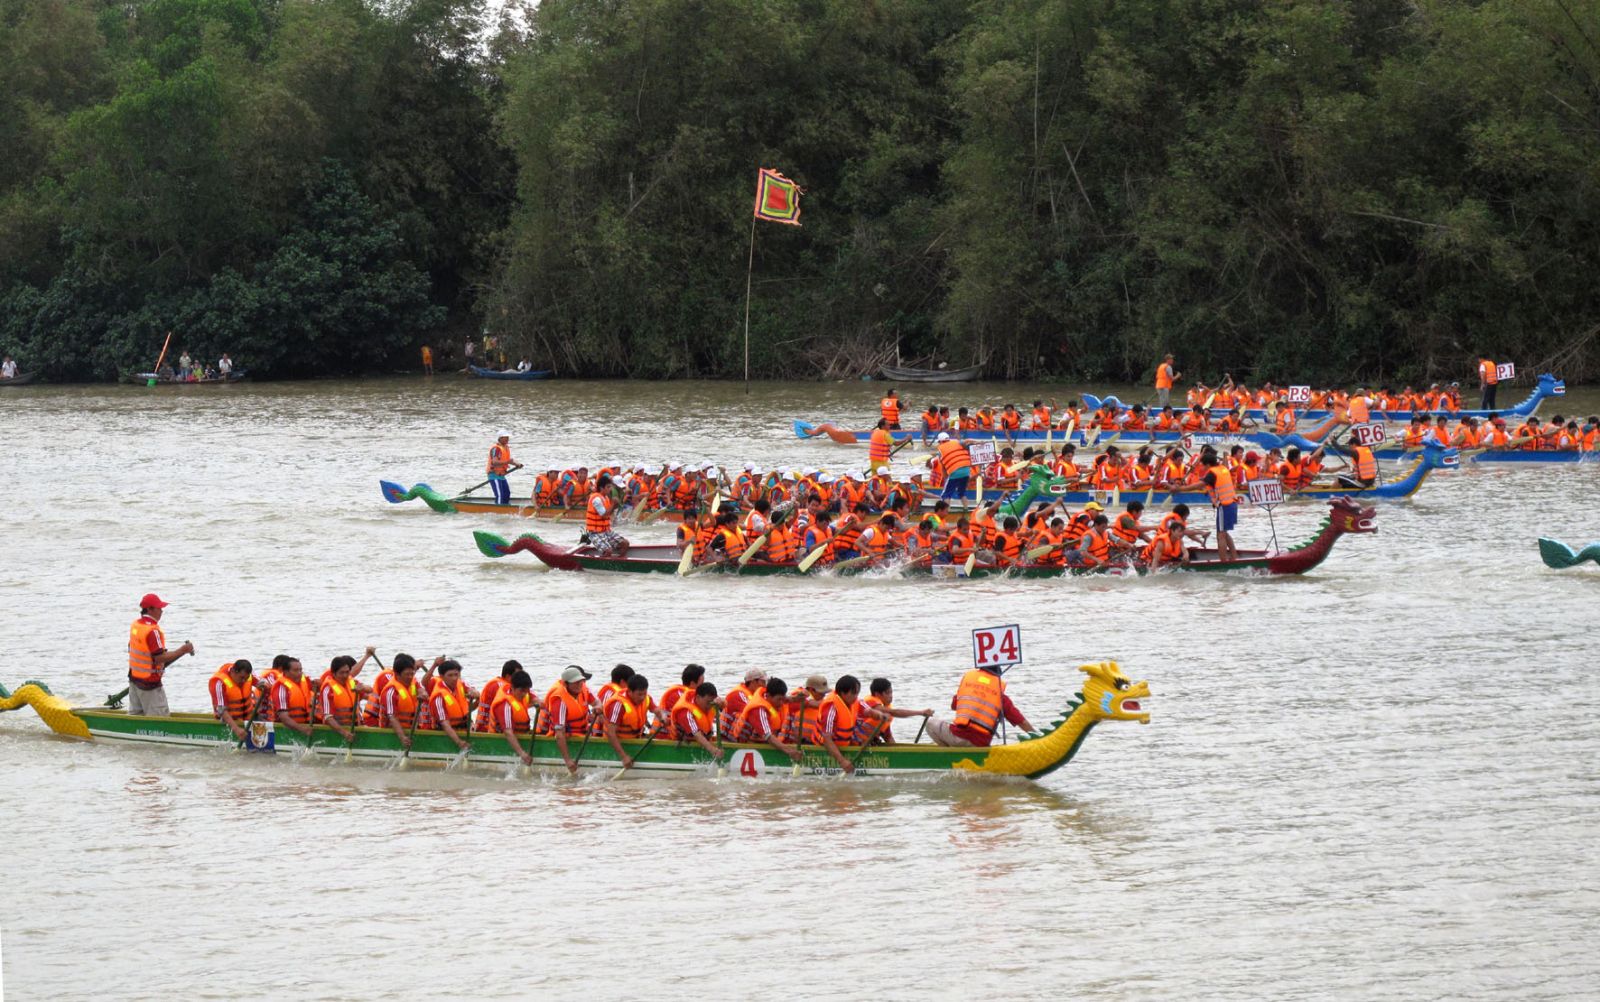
[[777, 198]]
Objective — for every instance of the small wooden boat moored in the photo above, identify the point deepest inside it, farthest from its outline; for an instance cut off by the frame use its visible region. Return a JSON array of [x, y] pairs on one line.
[[145, 378], [897, 374], [1107, 694], [20, 379], [479, 372]]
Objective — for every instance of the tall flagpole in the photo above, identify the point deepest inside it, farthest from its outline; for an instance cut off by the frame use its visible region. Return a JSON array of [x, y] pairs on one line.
[[748, 270]]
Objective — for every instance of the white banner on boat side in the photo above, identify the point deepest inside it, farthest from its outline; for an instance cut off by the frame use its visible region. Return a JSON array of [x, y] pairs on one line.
[[997, 646], [1299, 395], [1368, 434], [1505, 371], [982, 453], [1266, 492]]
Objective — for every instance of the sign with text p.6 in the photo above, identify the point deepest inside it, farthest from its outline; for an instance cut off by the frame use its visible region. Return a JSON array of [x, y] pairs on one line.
[[1266, 492], [1299, 395], [997, 646], [1505, 371], [1368, 434]]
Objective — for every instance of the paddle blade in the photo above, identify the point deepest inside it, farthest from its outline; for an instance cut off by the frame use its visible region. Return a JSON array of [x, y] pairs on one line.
[[686, 561], [754, 548], [972, 561], [977, 494], [1039, 551], [811, 558]]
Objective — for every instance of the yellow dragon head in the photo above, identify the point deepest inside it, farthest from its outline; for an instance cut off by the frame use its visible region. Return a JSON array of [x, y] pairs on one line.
[[1109, 695]]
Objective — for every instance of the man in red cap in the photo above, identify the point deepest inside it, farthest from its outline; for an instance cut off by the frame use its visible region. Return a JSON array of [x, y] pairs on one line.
[[148, 659]]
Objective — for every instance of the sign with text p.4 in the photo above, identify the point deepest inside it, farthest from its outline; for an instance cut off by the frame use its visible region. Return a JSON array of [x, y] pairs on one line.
[[1266, 492], [997, 646], [1368, 434]]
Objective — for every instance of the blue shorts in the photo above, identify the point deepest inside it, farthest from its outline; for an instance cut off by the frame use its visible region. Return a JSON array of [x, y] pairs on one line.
[[1227, 517]]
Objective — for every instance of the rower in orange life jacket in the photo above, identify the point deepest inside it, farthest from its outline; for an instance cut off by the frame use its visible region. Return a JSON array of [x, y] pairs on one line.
[[148, 660], [879, 446], [401, 701], [733, 704], [509, 714], [1040, 419], [889, 409], [1358, 410], [338, 695], [1363, 468], [291, 698], [625, 716], [694, 718], [762, 719], [567, 706], [1166, 547], [450, 705], [1224, 497], [836, 719], [491, 691], [980, 703], [597, 511], [877, 539], [500, 463], [692, 676], [233, 696]]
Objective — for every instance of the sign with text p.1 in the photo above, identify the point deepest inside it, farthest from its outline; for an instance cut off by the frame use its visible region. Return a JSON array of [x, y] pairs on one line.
[[1299, 395], [1266, 492], [1368, 434], [997, 646], [1505, 371]]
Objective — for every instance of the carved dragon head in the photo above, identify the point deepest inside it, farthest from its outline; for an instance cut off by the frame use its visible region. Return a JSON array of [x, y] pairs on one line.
[[1043, 480], [1109, 695], [1347, 516]]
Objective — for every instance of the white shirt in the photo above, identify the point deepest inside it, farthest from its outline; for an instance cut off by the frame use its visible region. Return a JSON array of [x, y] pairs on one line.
[[523, 366], [225, 366], [8, 370]]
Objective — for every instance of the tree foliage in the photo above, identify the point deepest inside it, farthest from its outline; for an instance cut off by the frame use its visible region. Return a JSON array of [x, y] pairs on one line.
[[1293, 189]]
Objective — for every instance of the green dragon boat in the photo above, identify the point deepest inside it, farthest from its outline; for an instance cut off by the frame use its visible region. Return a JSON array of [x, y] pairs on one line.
[[1107, 694]]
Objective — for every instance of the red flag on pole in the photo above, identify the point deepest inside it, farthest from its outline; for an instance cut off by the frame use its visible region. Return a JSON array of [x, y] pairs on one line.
[[777, 198]]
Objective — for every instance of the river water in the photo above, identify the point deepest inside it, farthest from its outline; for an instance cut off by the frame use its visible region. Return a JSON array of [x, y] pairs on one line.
[[1381, 779]]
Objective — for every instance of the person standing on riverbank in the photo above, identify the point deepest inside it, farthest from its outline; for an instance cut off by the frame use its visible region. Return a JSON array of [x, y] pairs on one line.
[[427, 360], [148, 659], [8, 368], [1488, 382]]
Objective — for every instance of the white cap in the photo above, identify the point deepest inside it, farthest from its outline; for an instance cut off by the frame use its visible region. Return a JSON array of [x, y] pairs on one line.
[[813, 472], [502, 434], [749, 467], [869, 472], [788, 475], [709, 468], [944, 436], [675, 466], [826, 478], [757, 471]]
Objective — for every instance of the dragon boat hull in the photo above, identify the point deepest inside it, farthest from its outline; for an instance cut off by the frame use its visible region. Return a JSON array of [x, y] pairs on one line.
[[1547, 386], [1345, 516], [1107, 695], [1123, 439], [1547, 456]]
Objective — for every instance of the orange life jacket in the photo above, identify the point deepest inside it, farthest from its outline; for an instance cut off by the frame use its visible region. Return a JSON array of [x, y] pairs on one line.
[[142, 669], [597, 512], [687, 711], [1366, 465], [238, 700], [744, 725], [781, 544], [406, 704], [879, 446], [449, 704], [336, 701], [889, 408], [519, 713], [499, 460], [979, 700], [296, 700], [1126, 527], [577, 709], [1223, 493], [630, 718], [1099, 547], [844, 718], [486, 696], [733, 704]]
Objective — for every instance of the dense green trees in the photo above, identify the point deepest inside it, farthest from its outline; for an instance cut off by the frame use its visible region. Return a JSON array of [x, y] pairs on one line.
[[1066, 188]]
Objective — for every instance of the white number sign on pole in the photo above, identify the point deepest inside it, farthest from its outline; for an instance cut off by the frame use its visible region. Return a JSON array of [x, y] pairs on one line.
[[982, 453], [997, 646], [1368, 434], [1266, 492], [1299, 394], [1505, 371], [747, 762]]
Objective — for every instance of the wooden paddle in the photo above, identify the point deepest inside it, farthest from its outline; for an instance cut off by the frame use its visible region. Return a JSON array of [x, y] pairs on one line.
[[411, 738], [588, 733], [866, 745], [855, 561], [685, 562], [800, 741], [751, 550], [920, 730], [977, 493], [1039, 551], [811, 558], [311, 721], [642, 749]]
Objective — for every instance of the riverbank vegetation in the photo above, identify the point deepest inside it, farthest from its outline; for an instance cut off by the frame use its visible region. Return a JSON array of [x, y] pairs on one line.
[[1288, 189]]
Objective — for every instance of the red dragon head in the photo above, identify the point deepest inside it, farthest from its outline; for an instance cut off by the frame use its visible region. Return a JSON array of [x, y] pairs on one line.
[[1347, 516]]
